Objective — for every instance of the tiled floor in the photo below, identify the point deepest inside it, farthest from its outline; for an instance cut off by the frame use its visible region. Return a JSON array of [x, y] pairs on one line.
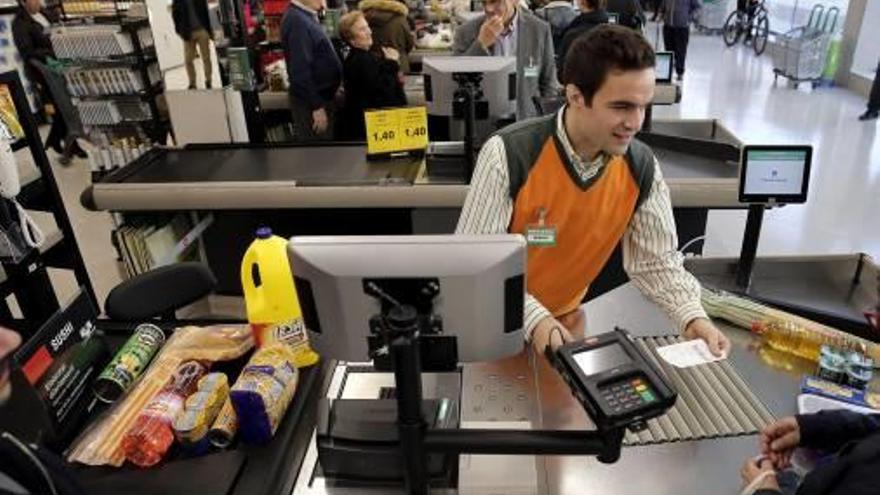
[[734, 86]]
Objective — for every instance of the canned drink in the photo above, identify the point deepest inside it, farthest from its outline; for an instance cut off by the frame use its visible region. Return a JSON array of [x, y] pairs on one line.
[[129, 363], [832, 365], [225, 427], [859, 370]]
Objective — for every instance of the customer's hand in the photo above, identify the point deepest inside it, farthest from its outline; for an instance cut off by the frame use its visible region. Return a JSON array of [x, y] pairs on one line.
[[9, 341], [391, 53], [779, 440], [753, 468], [319, 121], [549, 331], [701, 328], [491, 29]]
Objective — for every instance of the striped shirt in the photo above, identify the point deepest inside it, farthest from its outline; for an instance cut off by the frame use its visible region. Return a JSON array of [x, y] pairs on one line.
[[650, 255]]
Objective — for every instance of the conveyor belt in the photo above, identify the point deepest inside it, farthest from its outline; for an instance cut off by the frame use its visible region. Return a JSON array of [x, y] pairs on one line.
[[713, 402]]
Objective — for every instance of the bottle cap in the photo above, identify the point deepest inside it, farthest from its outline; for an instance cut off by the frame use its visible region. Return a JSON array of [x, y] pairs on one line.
[[264, 233]]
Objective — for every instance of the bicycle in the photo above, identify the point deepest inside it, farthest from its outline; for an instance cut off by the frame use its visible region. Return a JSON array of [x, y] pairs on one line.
[[751, 21]]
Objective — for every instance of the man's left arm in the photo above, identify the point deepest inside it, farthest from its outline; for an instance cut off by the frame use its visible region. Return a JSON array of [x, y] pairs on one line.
[[547, 85], [652, 261]]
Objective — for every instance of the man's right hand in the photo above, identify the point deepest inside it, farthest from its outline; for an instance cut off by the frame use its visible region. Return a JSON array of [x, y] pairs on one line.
[[549, 331], [319, 121], [490, 31], [779, 440]]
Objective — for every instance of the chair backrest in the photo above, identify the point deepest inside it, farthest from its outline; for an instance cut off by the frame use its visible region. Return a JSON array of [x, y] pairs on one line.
[[57, 87], [545, 105], [160, 292]]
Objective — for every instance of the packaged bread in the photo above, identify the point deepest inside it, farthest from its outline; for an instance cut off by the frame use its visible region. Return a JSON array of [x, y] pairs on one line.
[[263, 391]]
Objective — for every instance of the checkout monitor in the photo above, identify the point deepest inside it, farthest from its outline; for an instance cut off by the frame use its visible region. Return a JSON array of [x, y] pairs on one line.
[[498, 82], [663, 67], [475, 284], [775, 174]]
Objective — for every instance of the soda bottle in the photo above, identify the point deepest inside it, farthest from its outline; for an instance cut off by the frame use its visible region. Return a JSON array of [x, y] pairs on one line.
[[270, 297], [148, 440]]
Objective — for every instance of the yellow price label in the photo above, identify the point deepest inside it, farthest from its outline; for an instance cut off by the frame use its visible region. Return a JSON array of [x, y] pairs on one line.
[[394, 130]]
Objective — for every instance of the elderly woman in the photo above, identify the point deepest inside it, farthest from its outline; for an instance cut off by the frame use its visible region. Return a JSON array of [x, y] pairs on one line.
[[372, 78]]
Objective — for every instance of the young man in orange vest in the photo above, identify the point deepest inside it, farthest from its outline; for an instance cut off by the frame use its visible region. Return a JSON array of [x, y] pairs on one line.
[[577, 183]]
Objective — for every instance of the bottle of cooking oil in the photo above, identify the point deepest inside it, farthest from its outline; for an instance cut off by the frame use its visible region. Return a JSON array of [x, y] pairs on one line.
[[789, 337]]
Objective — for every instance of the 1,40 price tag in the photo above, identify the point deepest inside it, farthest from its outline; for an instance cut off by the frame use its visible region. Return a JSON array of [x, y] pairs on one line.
[[395, 130]]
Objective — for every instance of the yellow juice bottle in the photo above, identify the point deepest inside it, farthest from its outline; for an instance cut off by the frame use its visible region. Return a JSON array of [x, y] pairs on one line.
[[273, 309]]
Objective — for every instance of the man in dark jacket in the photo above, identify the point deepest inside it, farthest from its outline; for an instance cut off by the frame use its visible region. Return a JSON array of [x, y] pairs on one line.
[[390, 26], [677, 17], [873, 109], [592, 15], [313, 68], [629, 13], [192, 24], [29, 32], [854, 470]]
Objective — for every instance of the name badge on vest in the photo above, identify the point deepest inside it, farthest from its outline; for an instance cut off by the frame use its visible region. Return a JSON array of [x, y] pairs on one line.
[[541, 234]]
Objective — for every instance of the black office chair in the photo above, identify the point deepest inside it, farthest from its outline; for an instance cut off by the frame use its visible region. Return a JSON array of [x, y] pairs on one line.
[[546, 105], [160, 292]]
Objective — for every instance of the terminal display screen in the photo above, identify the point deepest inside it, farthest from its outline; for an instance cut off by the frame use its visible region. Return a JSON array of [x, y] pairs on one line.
[[775, 173], [600, 359], [663, 67]]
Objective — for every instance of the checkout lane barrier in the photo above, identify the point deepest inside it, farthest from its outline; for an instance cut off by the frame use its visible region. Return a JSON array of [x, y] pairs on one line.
[[714, 402]]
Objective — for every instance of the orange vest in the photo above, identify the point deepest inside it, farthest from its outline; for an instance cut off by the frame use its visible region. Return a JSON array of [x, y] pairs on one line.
[[590, 219]]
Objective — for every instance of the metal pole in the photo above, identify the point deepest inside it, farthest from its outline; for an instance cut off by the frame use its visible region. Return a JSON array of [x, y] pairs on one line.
[[749, 246]]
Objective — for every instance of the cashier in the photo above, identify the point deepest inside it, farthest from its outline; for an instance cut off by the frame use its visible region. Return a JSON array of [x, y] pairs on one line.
[[576, 184], [506, 30]]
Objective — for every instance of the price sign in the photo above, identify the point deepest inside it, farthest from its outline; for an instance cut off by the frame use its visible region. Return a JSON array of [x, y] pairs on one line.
[[394, 130]]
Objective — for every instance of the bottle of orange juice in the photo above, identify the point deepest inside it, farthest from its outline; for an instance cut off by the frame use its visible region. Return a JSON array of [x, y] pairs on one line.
[[270, 297]]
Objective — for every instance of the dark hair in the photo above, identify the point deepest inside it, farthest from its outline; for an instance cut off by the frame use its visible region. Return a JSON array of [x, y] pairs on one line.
[[596, 4], [602, 50]]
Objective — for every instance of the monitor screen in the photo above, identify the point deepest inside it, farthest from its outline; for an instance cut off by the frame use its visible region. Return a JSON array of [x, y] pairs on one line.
[[663, 67], [612, 18], [498, 82], [473, 284], [778, 174], [600, 359]]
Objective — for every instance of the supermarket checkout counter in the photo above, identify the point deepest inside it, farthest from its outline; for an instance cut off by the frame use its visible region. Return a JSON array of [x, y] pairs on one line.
[[696, 448], [333, 189]]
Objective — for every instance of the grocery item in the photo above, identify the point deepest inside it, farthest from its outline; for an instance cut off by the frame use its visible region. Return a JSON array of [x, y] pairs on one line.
[[101, 442], [270, 297], [263, 391], [149, 439], [129, 362], [199, 411], [225, 427], [783, 330]]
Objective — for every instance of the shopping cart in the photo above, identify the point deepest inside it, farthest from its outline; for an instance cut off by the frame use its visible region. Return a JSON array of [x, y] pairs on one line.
[[800, 54], [712, 16]]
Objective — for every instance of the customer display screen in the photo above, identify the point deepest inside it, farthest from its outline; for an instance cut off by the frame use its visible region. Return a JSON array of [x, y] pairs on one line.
[[663, 66], [780, 173], [600, 359]]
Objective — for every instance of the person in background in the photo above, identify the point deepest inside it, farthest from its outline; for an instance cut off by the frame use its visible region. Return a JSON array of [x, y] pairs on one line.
[[873, 110], [313, 69], [854, 469], [629, 13], [30, 34], [582, 175], [559, 14], [390, 26], [677, 18], [506, 30], [192, 24], [370, 80], [592, 15]]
